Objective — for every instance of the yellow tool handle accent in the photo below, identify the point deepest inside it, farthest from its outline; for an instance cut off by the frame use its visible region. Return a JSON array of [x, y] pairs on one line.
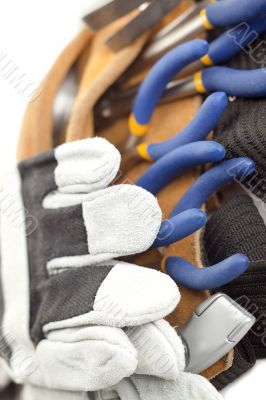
[[163, 265], [205, 20], [142, 149], [206, 60], [137, 129], [199, 86]]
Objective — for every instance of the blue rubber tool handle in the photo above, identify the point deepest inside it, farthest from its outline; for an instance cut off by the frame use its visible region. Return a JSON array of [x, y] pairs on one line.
[[205, 121], [241, 83], [232, 12], [212, 180], [187, 275], [180, 226], [230, 43], [175, 163], [163, 71]]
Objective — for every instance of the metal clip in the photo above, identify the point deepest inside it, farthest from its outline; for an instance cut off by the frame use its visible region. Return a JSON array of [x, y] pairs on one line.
[[215, 328]]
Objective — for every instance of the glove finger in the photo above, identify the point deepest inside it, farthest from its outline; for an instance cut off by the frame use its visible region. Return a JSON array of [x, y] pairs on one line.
[[84, 359], [160, 350], [186, 387], [120, 295], [132, 225], [86, 165]]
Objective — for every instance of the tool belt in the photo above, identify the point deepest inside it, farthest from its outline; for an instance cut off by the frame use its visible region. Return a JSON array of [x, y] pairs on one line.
[[97, 69]]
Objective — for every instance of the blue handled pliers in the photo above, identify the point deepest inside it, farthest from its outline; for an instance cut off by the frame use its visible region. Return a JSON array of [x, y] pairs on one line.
[[198, 129], [184, 272], [231, 12], [173, 158], [234, 82], [219, 14], [176, 156], [187, 217], [230, 43], [221, 50]]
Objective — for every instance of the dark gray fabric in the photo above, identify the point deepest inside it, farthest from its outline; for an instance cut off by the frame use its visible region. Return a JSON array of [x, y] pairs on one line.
[[244, 360], [242, 129], [238, 228], [60, 233], [9, 393], [66, 295]]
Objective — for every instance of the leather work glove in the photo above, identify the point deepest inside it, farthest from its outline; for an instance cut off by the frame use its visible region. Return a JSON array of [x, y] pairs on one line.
[[186, 387], [65, 296]]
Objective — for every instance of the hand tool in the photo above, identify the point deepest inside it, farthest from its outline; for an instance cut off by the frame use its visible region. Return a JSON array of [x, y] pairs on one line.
[[221, 14], [179, 160], [174, 164], [147, 19], [150, 14], [63, 103], [183, 272], [230, 43], [216, 326], [162, 37], [154, 85], [180, 226], [210, 182], [186, 16], [119, 105], [180, 270], [202, 124], [119, 102], [241, 83], [110, 12]]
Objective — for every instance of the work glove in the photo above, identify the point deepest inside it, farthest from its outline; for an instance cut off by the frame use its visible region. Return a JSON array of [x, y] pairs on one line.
[[65, 293], [186, 387]]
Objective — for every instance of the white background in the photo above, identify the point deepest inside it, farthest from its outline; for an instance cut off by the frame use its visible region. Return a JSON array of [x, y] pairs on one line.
[[32, 33]]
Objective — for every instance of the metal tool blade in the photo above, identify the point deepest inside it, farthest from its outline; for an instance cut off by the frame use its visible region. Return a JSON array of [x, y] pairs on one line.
[[183, 18], [116, 105], [147, 19], [186, 26], [110, 12]]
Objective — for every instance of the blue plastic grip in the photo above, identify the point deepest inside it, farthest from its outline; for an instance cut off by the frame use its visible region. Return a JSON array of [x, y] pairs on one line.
[[230, 43], [204, 122], [212, 180], [175, 163], [232, 12], [163, 71], [179, 227], [241, 83], [185, 274]]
